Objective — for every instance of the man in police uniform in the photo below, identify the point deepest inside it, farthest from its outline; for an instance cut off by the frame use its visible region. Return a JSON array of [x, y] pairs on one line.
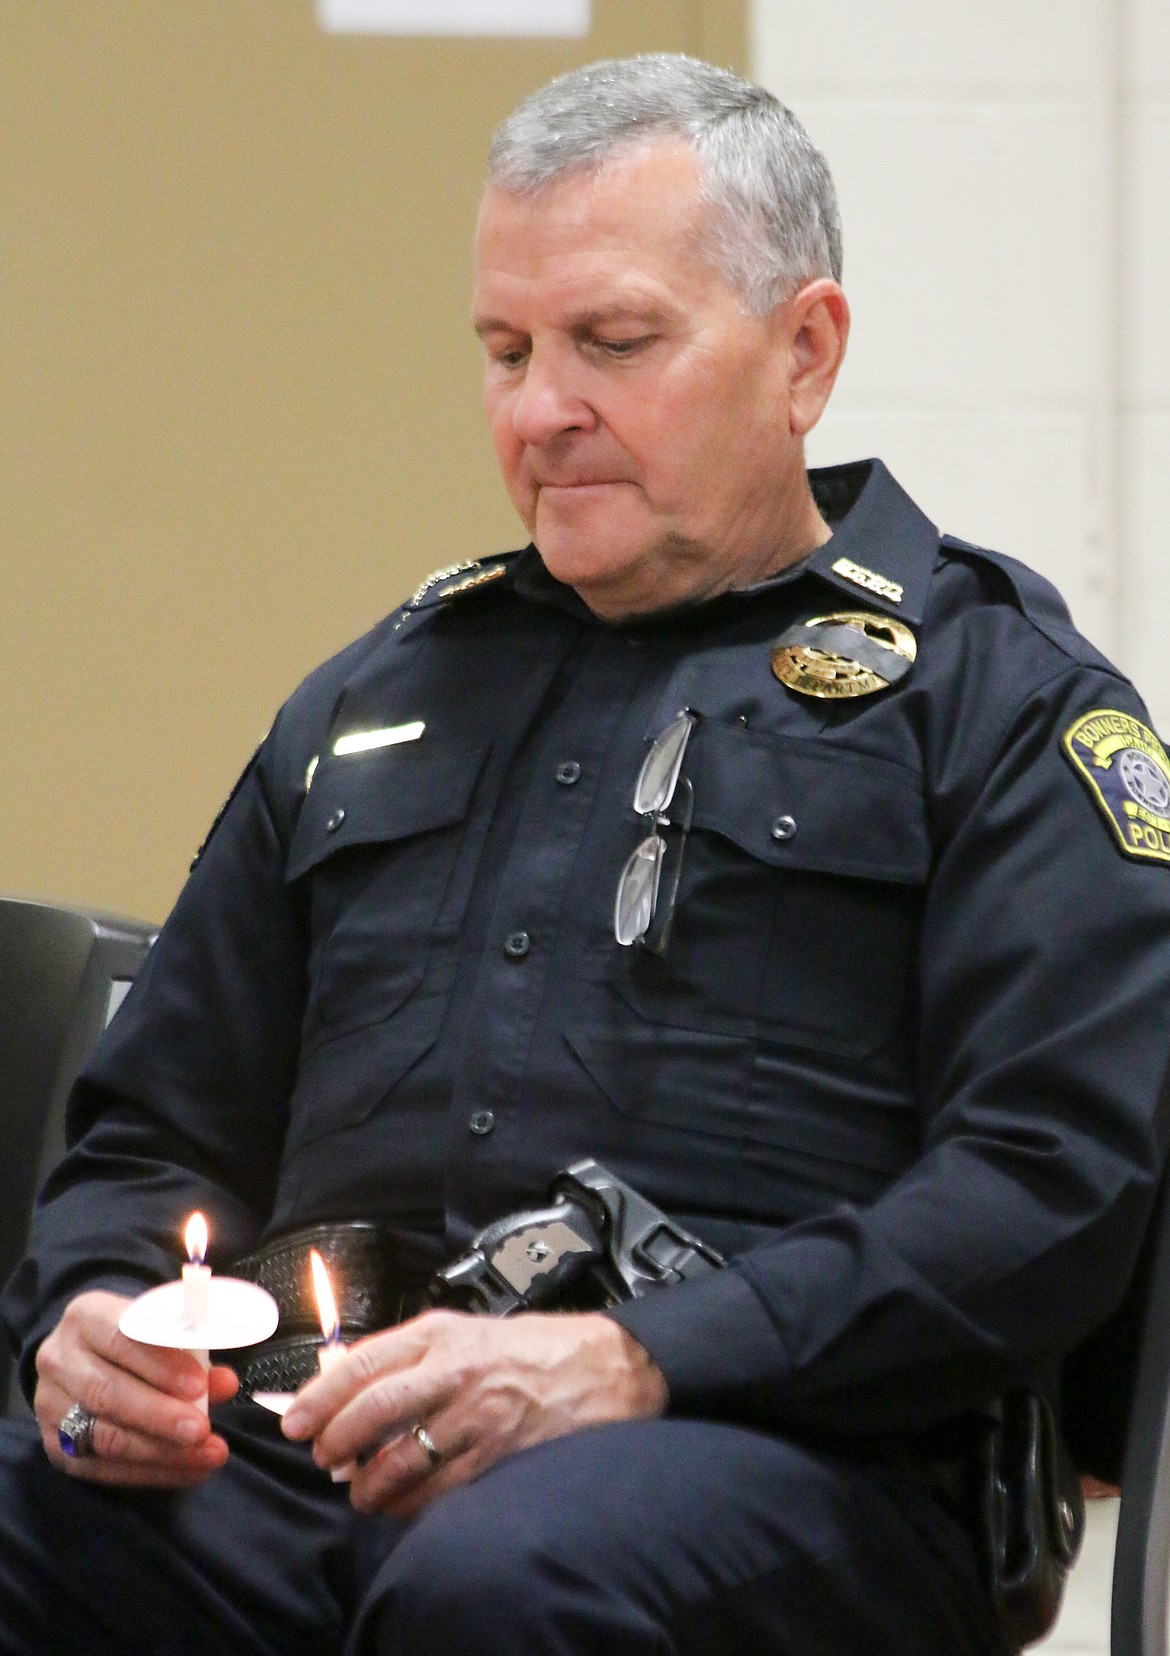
[[862, 976]]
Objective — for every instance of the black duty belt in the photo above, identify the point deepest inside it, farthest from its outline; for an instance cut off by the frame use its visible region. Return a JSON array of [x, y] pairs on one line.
[[377, 1282]]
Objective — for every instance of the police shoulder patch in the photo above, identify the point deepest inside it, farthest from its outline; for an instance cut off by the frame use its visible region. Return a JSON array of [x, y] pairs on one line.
[[1126, 770]]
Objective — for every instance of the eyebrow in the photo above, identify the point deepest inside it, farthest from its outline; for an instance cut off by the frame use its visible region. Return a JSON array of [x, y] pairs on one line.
[[650, 315]]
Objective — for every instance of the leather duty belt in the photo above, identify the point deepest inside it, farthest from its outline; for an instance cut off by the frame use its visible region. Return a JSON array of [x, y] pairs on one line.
[[597, 1242], [375, 1281]]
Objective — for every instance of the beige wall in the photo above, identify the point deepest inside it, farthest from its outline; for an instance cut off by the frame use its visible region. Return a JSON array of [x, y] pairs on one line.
[[239, 399]]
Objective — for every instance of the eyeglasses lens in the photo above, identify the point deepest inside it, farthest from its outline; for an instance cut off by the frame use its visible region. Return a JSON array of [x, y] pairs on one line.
[[637, 891], [658, 776]]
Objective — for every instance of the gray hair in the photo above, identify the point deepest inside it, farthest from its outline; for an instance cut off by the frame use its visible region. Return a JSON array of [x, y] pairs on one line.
[[772, 221]]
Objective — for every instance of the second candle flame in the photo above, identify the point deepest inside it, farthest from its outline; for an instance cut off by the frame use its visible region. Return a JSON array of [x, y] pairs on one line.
[[326, 1304]]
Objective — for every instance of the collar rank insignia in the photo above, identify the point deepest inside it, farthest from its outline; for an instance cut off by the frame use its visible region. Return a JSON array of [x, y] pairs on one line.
[[460, 577], [1125, 768], [834, 656], [869, 580]]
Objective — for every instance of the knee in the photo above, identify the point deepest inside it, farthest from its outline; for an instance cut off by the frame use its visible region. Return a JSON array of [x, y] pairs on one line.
[[461, 1579]]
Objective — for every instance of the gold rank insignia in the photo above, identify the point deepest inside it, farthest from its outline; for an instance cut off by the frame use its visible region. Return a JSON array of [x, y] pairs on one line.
[[852, 654], [1126, 770], [459, 577], [869, 579]]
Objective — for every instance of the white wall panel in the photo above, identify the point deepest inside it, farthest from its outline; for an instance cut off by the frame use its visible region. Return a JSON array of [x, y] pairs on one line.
[[967, 249], [1083, 1628], [1145, 475], [1146, 47], [952, 47], [1145, 327]]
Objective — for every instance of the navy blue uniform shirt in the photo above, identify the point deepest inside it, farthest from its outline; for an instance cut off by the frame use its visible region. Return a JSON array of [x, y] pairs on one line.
[[903, 1053]]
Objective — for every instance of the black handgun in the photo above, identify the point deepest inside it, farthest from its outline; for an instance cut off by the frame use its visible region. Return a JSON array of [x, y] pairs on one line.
[[598, 1242]]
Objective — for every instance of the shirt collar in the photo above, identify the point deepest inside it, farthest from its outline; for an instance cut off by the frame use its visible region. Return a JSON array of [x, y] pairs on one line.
[[881, 553], [883, 548]]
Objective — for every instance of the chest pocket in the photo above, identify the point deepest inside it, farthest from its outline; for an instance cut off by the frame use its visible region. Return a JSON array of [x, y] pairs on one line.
[[798, 905], [381, 842]]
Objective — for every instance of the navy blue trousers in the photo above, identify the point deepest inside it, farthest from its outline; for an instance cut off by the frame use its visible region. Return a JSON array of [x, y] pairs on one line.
[[664, 1537]]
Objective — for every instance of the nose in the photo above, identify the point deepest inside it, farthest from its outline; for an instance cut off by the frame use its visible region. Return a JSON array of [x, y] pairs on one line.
[[547, 403]]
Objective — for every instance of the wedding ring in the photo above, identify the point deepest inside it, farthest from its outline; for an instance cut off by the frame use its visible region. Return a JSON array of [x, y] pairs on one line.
[[428, 1446], [75, 1433]]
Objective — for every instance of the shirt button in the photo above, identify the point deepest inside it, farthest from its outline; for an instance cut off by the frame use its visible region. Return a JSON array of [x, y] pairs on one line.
[[783, 828], [482, 1122], [335, 821], [568, 773], [517, 944]]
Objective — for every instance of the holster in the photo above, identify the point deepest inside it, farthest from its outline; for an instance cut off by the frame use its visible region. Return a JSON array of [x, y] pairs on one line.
[[598, 1242], [1031, 1513]]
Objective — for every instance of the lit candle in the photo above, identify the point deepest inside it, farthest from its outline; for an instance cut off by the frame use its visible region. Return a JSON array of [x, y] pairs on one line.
[[332, 1352], [196, 1275], [197, 1284]]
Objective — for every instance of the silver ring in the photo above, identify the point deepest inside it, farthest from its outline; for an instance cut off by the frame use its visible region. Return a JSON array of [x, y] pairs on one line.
[[75, 1433], [428, 1446]]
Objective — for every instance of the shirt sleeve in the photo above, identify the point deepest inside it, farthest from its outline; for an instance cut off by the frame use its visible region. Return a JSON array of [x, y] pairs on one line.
[[183, 1103], [1044, 1012]]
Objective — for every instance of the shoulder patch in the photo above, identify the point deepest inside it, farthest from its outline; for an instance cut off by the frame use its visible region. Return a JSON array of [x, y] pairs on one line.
[[1125, 768]]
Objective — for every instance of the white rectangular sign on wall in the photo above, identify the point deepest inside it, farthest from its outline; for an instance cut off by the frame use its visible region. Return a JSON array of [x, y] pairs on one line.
[[564, 18]]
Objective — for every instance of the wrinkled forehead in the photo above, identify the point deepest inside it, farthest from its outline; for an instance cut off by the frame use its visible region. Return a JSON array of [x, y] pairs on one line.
[[642, 209]]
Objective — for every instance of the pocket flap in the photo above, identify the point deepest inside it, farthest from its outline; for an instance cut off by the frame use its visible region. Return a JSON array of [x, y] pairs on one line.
[[383, 795], [796, 804]]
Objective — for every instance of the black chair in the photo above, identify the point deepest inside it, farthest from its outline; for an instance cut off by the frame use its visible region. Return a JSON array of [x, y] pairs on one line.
[[63, 974], [1141, 1565], [1116, 1416]]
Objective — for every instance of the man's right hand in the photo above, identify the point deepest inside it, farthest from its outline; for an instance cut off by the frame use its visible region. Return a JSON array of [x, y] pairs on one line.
[[150, 1431]]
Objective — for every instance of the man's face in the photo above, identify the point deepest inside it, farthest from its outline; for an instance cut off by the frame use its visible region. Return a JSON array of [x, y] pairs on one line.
[[639, 414]]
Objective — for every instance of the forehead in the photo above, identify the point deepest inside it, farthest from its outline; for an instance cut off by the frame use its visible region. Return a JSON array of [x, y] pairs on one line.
[[632, 225]]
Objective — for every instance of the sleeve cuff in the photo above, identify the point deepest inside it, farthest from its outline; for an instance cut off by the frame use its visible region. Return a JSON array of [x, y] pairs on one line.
[[717, 1348]]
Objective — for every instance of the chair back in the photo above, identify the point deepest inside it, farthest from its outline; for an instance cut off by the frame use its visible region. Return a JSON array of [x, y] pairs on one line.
[[63, 974]]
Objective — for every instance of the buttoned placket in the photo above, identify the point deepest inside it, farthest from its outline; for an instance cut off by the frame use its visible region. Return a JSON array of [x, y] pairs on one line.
[[537, 881]]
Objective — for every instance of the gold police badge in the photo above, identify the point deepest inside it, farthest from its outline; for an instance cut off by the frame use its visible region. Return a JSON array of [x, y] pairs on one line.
[[1126, 770], [850, 654]]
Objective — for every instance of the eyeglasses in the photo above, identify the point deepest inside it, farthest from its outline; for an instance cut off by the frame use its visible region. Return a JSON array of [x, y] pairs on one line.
[[638, 914]]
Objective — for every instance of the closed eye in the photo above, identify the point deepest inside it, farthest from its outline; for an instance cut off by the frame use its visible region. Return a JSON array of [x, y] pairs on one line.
[[621, 348]]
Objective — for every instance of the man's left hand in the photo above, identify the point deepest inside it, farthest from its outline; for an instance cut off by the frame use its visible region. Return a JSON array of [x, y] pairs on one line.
[[480, 1388]]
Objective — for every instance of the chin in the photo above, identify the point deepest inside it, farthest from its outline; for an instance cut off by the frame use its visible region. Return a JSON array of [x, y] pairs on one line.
[[577, 561], [584, 549]]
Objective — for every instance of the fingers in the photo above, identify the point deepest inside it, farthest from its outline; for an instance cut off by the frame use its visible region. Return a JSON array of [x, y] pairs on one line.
[[222, 1383], [88, 1331], [125, 1455], [385, 1383], [400, 1478], [481, 1387], [151, 1427]]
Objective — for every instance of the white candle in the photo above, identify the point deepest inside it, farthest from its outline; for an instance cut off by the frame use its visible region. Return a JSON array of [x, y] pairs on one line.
[[332, 1352], [197, 1286]]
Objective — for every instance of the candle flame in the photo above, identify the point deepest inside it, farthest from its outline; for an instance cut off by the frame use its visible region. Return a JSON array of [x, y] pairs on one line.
[[326, 1304], [196, 1239]]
